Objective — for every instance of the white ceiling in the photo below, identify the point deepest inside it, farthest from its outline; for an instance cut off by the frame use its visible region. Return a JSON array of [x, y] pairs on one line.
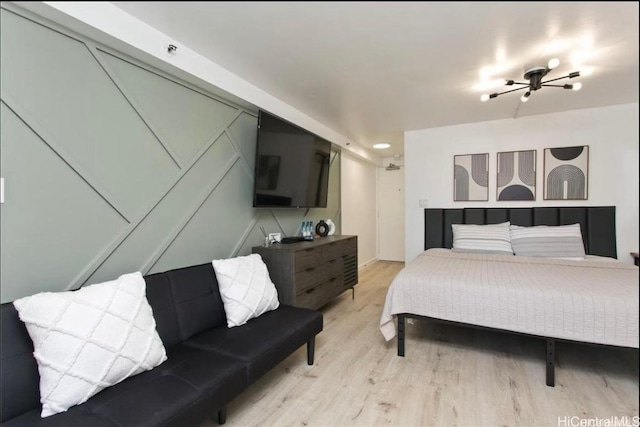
[[372, 70]]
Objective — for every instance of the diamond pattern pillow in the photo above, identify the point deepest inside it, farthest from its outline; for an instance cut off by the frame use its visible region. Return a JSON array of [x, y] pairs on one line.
[[245, 287], [90, 339]]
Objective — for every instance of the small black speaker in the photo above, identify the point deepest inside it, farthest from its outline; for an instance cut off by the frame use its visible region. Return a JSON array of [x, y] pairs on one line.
[[322, 228]]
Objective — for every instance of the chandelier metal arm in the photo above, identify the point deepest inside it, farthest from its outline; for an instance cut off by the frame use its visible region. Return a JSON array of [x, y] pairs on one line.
[[568, 76], [493, 95], [544, 84]]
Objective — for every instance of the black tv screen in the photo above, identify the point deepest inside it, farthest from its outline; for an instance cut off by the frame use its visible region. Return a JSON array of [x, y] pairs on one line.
[[292, 166]]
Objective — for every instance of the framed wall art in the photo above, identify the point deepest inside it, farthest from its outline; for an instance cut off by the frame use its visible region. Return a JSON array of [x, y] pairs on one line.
[[471, 177], [516, 175], [566, 173]]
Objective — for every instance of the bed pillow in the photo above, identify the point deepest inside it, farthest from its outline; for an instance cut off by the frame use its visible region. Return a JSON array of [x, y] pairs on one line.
[[490, 238], [245, 287], [90, 339], [552, 241]]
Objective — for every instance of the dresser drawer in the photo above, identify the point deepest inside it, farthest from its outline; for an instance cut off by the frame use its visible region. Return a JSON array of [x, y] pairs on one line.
[[309, 257], [333, 268], [310, 277], [318, 296]]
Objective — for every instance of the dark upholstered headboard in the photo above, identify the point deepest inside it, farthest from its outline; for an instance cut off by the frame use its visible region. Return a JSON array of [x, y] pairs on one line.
[[598, 223]]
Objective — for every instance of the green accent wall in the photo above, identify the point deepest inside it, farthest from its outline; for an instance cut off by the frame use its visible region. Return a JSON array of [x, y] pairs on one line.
[[112, 166]]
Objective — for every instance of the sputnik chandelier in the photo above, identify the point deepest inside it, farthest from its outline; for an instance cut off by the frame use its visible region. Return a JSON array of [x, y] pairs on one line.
[[534, 75]]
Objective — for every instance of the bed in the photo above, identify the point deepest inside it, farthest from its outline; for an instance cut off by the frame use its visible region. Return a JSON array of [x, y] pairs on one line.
[[591, 301]]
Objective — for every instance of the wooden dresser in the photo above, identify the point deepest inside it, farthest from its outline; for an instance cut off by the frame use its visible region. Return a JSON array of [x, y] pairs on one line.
[[309, 274]]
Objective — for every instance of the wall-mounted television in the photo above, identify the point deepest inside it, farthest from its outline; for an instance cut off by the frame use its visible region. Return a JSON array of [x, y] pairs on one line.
[[292, 166]]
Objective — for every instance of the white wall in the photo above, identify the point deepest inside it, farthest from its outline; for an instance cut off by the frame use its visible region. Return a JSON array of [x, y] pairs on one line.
[[610, 132], [359, 216]]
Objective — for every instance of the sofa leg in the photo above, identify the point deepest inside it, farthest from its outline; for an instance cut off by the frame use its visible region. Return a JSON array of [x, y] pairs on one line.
[[311, 345], [222, 416]]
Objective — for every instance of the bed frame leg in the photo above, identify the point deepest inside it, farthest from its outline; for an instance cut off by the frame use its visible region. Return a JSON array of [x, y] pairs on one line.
[[401, 335], [551, 354]]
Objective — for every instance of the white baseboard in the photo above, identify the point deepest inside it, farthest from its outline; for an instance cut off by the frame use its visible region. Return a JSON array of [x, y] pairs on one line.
[[367, 263]]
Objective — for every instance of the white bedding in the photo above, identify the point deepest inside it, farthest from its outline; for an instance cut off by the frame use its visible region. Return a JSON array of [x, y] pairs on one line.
[[594, 300]]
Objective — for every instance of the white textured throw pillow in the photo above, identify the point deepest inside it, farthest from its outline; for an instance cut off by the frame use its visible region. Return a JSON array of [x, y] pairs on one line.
[[90, 339], [245, 287], [490, 238]]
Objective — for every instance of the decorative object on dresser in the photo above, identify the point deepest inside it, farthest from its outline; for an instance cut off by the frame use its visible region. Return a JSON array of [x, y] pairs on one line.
[[568, 165], [471, 177], [309, 274], [332, 227], [516, 175], [322, 229]]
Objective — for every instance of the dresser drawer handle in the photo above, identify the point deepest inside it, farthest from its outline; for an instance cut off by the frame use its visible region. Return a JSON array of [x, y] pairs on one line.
[[310, 291], [310, 269]]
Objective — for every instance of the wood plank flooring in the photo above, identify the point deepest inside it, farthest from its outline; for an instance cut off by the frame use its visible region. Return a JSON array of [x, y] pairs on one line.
[[450, 376]]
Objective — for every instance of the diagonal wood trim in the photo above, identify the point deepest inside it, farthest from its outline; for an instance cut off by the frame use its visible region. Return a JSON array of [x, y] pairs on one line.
[[273, 214], [56, 147], [155, 256], [146, 119], [244, 163], [91, 268], [245, 236]]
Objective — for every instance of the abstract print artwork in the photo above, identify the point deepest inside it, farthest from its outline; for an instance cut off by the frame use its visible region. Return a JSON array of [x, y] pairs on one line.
[[471, 177], [516, 179], [566, 173]]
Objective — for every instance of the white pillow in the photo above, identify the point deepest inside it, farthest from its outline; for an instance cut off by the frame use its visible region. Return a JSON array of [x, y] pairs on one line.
[[245, 287], [490, 238], [553, 241], [90, 339]]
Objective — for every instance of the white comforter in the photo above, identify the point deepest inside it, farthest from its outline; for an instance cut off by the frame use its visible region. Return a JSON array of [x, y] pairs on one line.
[[592, 301]]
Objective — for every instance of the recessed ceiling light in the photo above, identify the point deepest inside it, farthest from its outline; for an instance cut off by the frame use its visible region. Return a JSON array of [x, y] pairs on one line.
[[381, 145]]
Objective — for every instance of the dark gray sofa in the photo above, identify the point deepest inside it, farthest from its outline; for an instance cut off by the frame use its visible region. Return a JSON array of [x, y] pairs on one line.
[[208, 364]]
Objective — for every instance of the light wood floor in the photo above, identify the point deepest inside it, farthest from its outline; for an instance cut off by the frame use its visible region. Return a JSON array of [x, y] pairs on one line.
[[450, 376]]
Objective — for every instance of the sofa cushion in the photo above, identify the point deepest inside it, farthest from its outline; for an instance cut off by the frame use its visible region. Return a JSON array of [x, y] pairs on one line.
[[185, 390], [164, 310], [265, 341], [197, 299], [18, 368]]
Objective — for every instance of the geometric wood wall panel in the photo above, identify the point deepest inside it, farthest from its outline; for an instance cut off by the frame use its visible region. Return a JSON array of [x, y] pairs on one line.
[[93, 190], [53, 223], [244, 132], [183, 199], [64, 91], [187, 119], [222, 218]]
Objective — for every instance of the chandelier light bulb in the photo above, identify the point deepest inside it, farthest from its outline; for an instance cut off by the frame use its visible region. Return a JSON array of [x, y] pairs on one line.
[[485, 97], [577, 86], [525, 97], [553, 63], [586, 71]]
